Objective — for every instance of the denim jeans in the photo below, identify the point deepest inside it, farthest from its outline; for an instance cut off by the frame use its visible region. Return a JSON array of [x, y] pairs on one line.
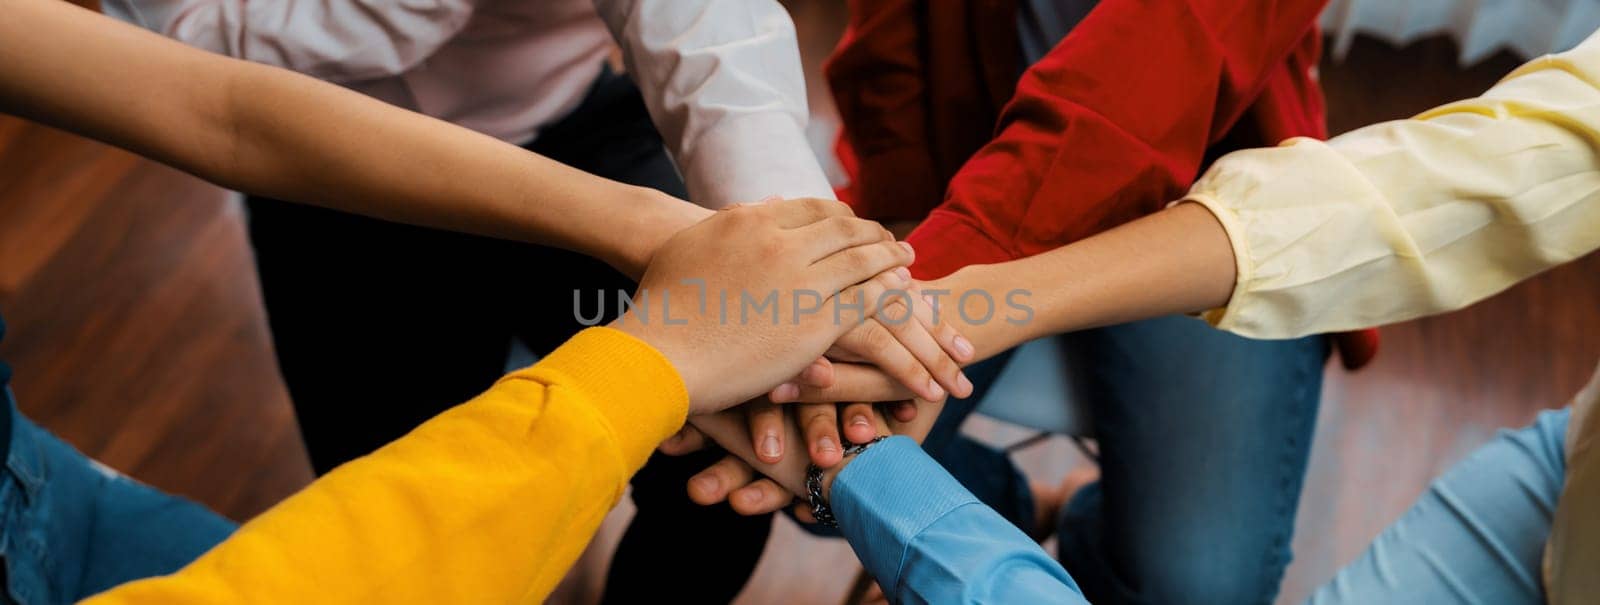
[[72, 527], [1476, 536], [1204, 438]]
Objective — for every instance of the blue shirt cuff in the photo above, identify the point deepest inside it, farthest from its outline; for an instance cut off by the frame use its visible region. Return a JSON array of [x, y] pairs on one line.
[[886, 497]]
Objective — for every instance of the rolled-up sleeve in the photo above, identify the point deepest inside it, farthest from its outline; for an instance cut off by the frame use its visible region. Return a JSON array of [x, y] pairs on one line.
[[338, 41], [723, 82], [1414, 217]]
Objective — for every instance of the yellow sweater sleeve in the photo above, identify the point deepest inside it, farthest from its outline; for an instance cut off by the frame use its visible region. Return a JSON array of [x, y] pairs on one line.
[[489, 502], [1414, 217]]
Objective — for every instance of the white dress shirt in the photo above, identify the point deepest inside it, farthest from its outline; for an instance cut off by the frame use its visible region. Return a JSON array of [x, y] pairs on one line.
[[721, 78]]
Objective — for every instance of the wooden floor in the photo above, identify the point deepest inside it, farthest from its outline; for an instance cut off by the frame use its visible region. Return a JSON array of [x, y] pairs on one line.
[[137, 334], [136, 329]]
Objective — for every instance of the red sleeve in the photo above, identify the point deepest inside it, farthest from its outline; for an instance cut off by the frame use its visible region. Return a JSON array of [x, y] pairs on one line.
[[879, 81], [1115, 122]]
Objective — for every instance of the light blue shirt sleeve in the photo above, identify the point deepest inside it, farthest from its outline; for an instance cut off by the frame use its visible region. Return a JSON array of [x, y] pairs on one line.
[[928, 540]]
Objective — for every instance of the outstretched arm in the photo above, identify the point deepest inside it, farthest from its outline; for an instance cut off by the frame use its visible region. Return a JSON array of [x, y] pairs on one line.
[[273, 132], [1386, 223], [491, 501], [1116, 120]]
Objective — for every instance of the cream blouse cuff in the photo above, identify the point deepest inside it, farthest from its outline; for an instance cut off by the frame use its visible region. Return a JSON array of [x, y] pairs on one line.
[[1414, 217]]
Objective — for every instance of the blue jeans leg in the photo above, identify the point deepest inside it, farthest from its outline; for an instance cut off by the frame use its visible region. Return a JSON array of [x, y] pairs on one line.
[[1476, 536], [73, 528], [985, 471], [1204, 438]]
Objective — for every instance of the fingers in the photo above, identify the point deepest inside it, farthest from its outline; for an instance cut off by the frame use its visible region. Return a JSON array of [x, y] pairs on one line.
[[865, 425], [713, 485], [831, 235], [902, 412], [766, 430], [897, 317], [920, 423], [859, 424], [799, 212], [950, 339], [817, 375], [802, 513], [759, 498], [730, 431], [852, 382], [880, 422], [875, 344], [687, 439], [820, 422], [852, 266]]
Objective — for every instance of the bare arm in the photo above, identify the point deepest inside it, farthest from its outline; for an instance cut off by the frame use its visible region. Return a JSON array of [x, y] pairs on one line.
[[1382, 224], [1174, 261], [1178, 260], [269, 131]]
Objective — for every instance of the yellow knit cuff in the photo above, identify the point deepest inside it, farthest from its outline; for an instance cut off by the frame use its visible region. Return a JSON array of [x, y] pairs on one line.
[[631, 384]]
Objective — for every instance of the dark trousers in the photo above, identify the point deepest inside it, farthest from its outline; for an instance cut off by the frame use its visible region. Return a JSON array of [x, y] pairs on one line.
[[379, 326]]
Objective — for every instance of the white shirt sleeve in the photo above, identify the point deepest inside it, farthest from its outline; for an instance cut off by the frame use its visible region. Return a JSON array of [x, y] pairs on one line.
[[335, 40], [1414, 217], [723, 83]]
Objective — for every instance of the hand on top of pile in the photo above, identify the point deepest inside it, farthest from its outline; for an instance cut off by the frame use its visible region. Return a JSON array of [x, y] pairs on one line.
[[802, 295]]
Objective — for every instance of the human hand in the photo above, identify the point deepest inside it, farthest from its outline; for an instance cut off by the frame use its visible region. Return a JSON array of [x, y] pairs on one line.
[[778, 252], [658, 217], [820, 424], [971, 341], [750, 485], [754, 486], [915, 355]]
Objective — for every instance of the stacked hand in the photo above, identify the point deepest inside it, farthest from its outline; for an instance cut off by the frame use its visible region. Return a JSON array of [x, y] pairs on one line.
[[690, 302], [754, 486], [849, 325]]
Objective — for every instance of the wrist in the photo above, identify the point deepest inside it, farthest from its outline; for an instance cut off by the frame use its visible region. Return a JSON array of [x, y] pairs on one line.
[[659, 217], [831, 473], [819, 482], [988, 335]]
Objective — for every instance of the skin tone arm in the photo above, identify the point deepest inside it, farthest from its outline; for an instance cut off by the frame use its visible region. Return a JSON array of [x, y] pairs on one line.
[[1386, 223], [541, 456], [1175, 261], [273, 132], [1178, 260], [270, 131], [782, 247]]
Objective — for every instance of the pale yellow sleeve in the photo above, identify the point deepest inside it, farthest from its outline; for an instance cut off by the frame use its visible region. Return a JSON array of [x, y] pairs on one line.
[[1414, 217], [489, 502]]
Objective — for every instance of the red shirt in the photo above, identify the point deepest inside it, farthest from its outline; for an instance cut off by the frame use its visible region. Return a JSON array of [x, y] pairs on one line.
[[1114, 123]]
